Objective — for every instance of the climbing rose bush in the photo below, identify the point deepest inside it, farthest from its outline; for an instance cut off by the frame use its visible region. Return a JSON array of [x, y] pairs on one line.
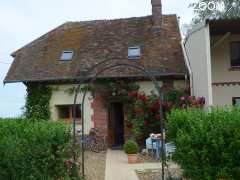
[[143, 110], [191, 102], [143, 114]]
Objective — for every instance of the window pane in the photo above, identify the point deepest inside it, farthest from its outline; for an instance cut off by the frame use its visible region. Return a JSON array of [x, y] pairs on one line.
[[66, 55], [63, 112], [235, 54], [134, 52], [237, 102]]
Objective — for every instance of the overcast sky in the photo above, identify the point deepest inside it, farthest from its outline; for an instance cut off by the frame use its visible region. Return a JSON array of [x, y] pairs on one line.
[[22, 21]]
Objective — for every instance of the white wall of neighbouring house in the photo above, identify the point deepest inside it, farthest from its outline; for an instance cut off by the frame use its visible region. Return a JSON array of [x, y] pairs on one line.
[[221, 62], [223, 95], [222, 73], [60, 96], [198, 50]]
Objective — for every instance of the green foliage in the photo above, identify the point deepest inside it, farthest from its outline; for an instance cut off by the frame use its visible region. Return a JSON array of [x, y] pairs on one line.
[[173, 98], [118, 88], [207, 143], [85, 88], [230, 9], [33, 150], [131, 147], [37, 102]]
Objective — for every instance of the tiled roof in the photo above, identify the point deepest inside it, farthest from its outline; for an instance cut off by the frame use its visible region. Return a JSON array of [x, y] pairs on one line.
[[96, 41]]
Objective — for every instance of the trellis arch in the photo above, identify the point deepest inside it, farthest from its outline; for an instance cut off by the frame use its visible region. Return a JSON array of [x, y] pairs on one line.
[[91, 77]]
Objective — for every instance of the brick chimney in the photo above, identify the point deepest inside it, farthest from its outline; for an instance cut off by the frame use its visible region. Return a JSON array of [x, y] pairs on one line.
[[157, 13]]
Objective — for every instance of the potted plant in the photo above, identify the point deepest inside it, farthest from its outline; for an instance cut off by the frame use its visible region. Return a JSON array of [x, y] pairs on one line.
[[131, 149]]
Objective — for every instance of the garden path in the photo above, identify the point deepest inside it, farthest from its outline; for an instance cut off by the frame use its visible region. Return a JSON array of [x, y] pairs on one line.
[[117, 167]]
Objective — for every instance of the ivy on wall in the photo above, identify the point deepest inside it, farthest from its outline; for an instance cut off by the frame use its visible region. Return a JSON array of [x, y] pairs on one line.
[[37, 105], [86, 88]]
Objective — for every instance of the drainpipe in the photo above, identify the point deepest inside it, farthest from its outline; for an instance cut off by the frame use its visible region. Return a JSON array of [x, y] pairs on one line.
[[187, 62], [186, 58]]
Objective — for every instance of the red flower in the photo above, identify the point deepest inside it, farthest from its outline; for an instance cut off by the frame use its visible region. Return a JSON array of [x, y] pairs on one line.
[[133, 94], [183, 98], [146, 122], [130, 125], [157, 117], [69, 163], [155, 106], [142, 98]]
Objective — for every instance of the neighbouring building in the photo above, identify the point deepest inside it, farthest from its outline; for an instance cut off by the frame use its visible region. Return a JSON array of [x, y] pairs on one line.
[[213, 53], [63, 56]]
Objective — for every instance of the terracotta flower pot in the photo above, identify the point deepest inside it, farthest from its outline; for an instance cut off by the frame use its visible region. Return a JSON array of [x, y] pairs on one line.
[[132, 158]]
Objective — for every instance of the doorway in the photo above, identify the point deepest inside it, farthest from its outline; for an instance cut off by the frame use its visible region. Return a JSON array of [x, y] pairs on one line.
[[116, 125]]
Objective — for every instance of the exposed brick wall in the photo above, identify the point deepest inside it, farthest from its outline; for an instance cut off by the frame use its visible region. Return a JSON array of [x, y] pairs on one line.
[[100, 114]]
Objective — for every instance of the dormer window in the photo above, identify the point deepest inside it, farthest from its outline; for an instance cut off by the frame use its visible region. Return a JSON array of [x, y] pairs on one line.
[[66, 56], [134, 52]]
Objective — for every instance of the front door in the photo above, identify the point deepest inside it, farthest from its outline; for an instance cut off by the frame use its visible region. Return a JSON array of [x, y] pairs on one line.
[[116, 124]]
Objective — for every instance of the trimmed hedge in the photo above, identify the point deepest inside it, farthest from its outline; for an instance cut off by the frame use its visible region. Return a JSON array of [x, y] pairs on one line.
[[207, 143], [33, 150]]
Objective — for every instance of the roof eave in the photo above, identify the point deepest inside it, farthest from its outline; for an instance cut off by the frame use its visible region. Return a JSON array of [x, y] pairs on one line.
[[163, 76]]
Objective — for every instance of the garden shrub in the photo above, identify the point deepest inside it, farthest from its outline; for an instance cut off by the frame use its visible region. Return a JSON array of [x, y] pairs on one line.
[[33, 150], [207, 143], [130, 147]]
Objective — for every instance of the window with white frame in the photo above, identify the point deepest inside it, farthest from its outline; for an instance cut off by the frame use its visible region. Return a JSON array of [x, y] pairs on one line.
[[134, 52], [66, 56]]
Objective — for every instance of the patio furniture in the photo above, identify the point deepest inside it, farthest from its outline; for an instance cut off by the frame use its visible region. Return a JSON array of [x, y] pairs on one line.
[[154, 144]]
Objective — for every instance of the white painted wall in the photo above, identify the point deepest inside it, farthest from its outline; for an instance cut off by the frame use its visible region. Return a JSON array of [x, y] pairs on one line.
[[180, 84], [148, 87], [198, 51], [61, 97]]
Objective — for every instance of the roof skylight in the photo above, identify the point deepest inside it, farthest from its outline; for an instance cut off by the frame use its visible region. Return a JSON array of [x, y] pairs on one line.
[[134, 52], [66, 56]]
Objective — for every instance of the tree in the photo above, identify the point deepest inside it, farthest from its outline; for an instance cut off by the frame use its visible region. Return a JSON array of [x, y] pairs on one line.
[[204, 9]]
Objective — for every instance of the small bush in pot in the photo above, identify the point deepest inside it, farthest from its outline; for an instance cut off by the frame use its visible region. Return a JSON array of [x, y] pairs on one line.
[[131, 149]]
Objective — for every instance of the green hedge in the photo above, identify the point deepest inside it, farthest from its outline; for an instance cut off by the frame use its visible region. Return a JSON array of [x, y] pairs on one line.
[[208, 143], [33, 150]]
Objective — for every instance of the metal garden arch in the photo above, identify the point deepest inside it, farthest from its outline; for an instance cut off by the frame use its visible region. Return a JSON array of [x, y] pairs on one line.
[[91, 77]]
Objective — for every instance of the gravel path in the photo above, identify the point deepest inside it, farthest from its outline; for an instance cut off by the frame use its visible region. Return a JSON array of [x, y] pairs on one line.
[[146, 159], [95, 165], [149, 175], [155, 174]]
